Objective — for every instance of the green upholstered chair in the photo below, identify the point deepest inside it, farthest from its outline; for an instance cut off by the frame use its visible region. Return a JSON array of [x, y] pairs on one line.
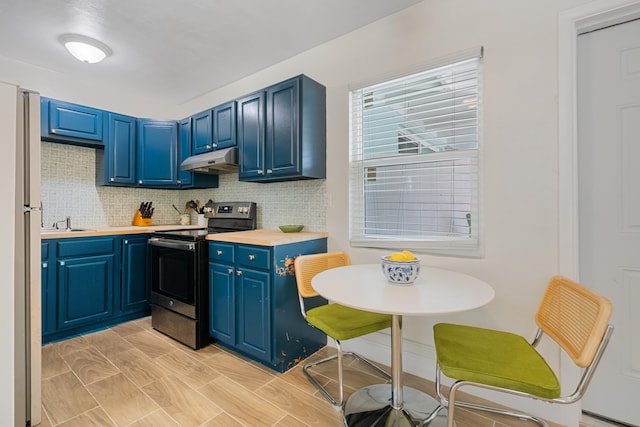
[[574, 316], [336, 321]]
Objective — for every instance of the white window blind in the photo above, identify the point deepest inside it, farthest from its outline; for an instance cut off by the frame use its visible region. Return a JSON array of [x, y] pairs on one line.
[[414, 160]]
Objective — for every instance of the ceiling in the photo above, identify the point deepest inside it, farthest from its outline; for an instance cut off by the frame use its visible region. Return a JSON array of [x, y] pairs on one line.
[[178, 50]]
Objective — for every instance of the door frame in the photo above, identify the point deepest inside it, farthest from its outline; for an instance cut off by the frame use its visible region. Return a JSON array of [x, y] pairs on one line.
[[571, 23]]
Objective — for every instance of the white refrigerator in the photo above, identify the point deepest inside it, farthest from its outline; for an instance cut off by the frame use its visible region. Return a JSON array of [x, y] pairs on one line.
[[27, 262]]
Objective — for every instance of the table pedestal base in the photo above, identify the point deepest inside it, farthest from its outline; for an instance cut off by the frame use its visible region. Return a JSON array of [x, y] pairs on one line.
[[371, 407]]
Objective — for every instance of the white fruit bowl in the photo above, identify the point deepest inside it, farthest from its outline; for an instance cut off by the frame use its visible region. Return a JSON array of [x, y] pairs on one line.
[[400, 272]]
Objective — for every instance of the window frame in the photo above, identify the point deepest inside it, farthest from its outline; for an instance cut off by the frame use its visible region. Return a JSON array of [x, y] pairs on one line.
[[438, 245]]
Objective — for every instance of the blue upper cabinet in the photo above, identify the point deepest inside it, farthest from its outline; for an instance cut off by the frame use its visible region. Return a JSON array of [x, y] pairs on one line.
[[284, 137], [157, 163], [251, 135], [214, 129], [119, 151], [70, 123], [202, 132], [184, 151], [224, 125], [188, 179]]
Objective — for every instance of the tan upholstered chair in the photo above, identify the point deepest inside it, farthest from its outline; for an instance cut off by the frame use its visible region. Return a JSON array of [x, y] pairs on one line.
[[337, 321], [574, 316]]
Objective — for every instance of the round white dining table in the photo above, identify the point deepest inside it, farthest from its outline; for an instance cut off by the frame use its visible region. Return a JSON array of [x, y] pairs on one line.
[[435, 291]]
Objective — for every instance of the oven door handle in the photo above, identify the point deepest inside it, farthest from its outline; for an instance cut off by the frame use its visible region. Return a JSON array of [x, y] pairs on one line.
[[172, 244]]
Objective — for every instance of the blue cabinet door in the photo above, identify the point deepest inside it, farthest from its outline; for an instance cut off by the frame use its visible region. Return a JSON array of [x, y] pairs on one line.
[[48, 310], [188, 179], [85, 290], [135, 293], [202, 132], [120, 150], [157, 153], [254, 302], [224, 125], [184, 151], [254, 313], [222, 303], [287, 139], [251, 136], [71, 123], [283, 140]]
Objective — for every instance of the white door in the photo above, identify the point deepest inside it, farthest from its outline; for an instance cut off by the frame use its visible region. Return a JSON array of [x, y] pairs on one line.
[[609, 206]]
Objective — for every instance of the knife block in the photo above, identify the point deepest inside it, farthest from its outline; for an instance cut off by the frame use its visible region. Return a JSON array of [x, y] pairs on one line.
[[139, 221]]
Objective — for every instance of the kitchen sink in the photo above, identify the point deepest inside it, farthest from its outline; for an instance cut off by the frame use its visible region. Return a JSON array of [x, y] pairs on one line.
[[63, 230]]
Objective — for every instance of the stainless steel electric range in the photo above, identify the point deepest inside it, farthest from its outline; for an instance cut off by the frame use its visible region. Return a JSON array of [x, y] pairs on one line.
[[179, 274]]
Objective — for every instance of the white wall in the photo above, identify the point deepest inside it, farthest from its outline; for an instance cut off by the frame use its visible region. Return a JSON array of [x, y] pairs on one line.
[[92, 93], [520, 142]]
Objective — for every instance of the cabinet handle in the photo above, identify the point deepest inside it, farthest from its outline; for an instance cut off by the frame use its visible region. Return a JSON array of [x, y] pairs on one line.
[[218, 252], [230, 271], [62, 263], [179, 182], [126, 242], [239, 273], [260, 172], [45, 265], [112, 179], [53, 131], [269, 171], [140, 182], [252, 257], [208, 147], [215, 145]]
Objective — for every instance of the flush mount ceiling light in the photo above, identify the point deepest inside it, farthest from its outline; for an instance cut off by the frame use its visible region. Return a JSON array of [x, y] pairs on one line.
[[85, 48]]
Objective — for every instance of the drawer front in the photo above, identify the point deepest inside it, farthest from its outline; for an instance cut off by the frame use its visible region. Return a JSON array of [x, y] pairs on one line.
[[253, 257], [85, 246], [221, 252]]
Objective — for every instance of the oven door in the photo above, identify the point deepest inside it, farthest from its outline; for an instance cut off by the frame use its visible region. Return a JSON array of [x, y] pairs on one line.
[[174, 274]]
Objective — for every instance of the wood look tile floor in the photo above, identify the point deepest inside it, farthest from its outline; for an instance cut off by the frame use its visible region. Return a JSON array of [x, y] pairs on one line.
[[132, 375]]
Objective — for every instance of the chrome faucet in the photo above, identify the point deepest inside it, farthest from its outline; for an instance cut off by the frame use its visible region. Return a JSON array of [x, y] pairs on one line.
[[56, 224]]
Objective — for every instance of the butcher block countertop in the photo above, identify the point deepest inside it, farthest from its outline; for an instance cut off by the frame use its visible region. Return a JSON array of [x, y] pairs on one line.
[[111, 231], [266, 237]]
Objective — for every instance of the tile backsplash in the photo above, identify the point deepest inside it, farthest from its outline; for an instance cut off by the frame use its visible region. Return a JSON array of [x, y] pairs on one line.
[[69, 189]]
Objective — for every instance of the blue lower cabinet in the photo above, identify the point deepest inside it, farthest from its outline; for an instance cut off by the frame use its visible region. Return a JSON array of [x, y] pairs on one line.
[[135, 278], [254, 313], [89, 283], [85, 290], [222, 324], [254, 306], [49, 297]]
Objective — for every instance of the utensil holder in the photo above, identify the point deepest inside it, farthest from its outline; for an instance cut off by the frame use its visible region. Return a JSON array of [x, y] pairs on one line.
[[139, 221]]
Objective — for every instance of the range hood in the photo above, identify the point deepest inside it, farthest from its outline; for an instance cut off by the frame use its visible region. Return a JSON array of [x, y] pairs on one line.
[[213, 162]]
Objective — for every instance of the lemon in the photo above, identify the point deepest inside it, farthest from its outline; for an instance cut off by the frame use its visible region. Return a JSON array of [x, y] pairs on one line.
[[402, 256], [408, 255]]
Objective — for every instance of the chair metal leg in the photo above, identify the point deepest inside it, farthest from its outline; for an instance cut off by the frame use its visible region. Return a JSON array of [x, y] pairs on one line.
[[315, 382], [339, 356], [381, 371], [451, 403]]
